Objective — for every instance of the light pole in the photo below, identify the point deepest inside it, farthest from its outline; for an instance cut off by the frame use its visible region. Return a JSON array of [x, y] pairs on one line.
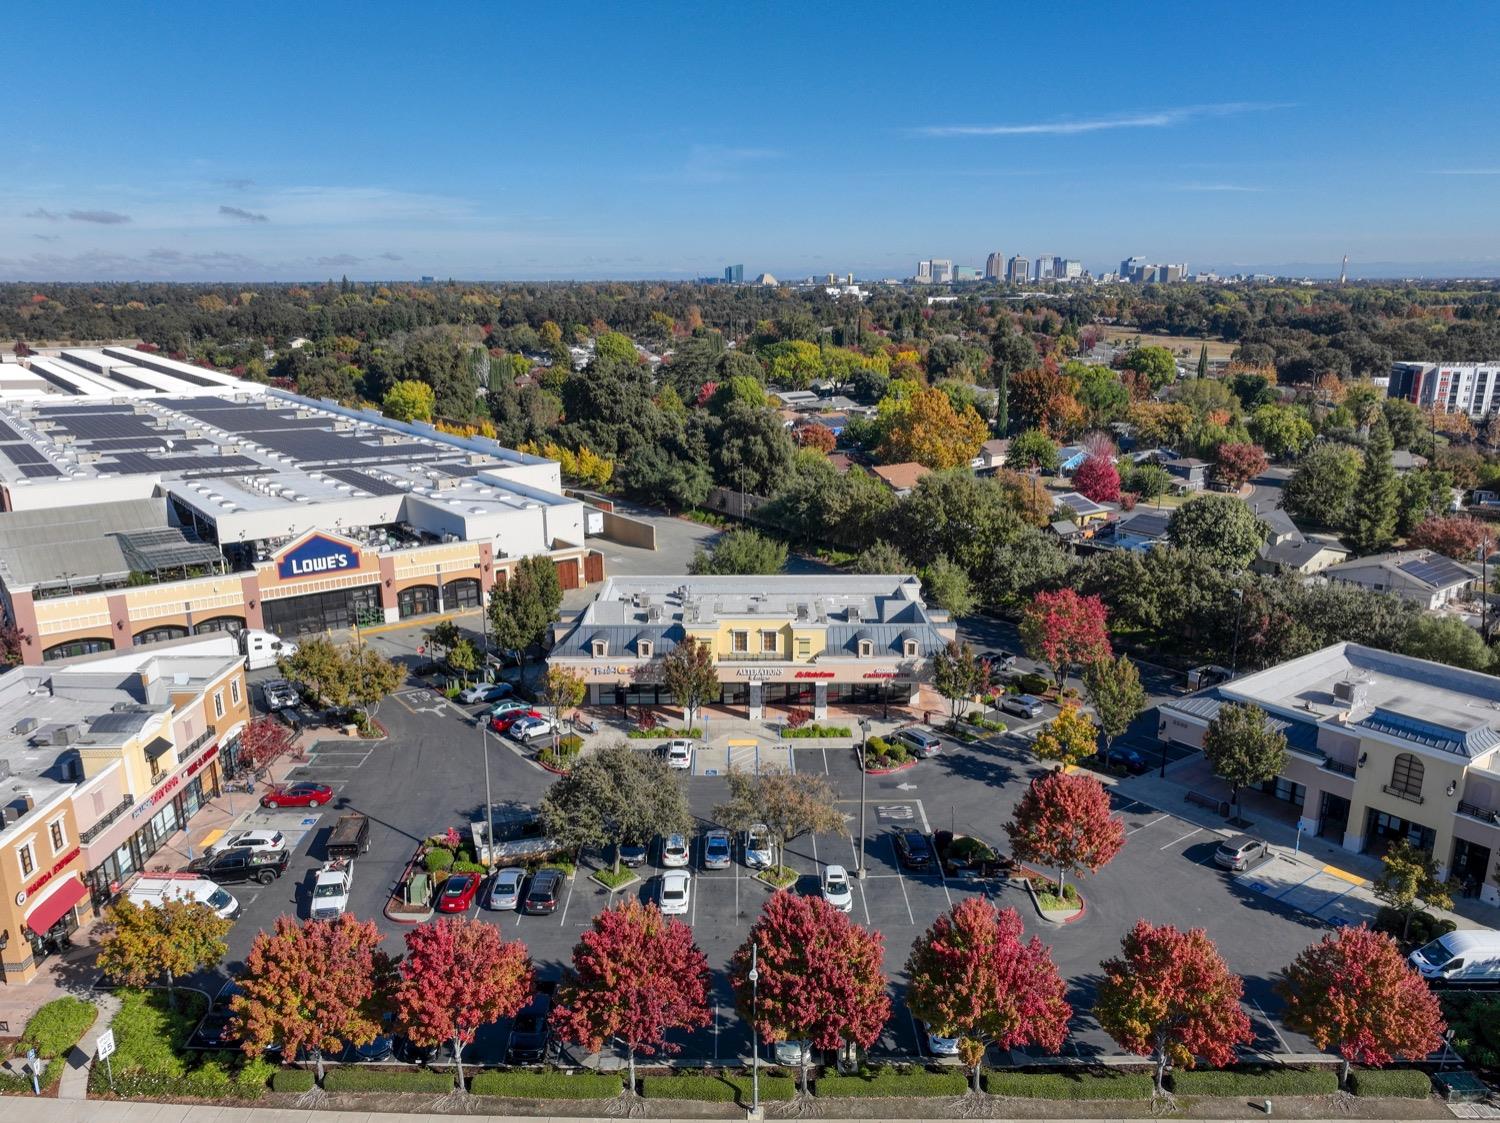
[[754, 977], [489, 812], [1234, 656], [864, 737]]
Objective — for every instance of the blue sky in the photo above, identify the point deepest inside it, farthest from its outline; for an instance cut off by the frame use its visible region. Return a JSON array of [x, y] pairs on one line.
[[389, 140]]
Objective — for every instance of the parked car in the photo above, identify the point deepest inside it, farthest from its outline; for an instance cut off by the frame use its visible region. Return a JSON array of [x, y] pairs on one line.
[[529, 1032], [758, 855], [672, 892], [458, 892], [216, 1030], [790, 1053], [485, 692], [509, 706], [679, 753], [505, 890], [541, 896], [279, 694], [243, 864], [530, 728], [255, 840], [633, 853], [501, 723], [938, 1045], [912, 850], [1240, 852], [716, 849], [304, 794], [920, 742], [836, 889], [674, 851], [1128, 759], [1001, 666], [1021, 705], [382, 1049]]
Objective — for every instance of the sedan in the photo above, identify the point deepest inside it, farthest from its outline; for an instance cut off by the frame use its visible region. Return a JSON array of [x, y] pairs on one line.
[[673, 888], [836, 888], [938, 1045], [912, 850], [674, 851], [758, 854], [509, 706], [791, 1053], [256, 840], [458, 892], [633, 853], [485, 692], [297, 795], [530, 728], [1021, 705], [501, 723], [716, 853], [679, 754], [1128, 759], [505, 890]]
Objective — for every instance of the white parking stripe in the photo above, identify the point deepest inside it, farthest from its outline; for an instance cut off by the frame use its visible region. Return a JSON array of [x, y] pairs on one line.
[[863, 903], [910, 916], [1175, 841], [1284, 1046], [569, 901], [1143, 826]]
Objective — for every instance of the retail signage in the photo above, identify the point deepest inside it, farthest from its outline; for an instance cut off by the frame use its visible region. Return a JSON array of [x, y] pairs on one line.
[[175, 782], [758, 672], [62, 864], [203, 760], [880, 674], [316, 555], [814, 674]]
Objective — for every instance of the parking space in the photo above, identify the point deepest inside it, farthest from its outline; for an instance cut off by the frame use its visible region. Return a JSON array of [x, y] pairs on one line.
[[1328, 894]]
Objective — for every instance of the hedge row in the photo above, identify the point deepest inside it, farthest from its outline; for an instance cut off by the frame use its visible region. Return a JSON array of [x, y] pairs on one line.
[[716, 1089], [1068, 1086], [547, 1085], [1256, 1082], [1400, 1083], [813, 729], [374, 1080], [292, 1080], [888, 1082]]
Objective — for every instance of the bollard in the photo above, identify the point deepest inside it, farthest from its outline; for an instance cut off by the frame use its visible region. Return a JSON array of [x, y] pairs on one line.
[[1265, 1106]]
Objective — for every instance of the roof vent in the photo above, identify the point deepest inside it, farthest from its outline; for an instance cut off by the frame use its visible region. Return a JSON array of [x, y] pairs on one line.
[[23, 727], [1352, 692], [851, 614]]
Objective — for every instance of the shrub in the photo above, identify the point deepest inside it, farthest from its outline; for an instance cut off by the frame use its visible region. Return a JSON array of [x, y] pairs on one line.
[[662, 732], [547, 1085], [1424, 927], [1068, 1085], [614, 880], [467, 867], [21, 1085], [57, 1026], [813, 729], [352, 1079], [569, 744], [798, 717], [725, 1088], [893, 1082], [1475, 1020], [291, 1080], [1397, 1083], [1034, 683], [150, 1061], [1256, 1082], [1048, 897], [438, 859], [880, 753]]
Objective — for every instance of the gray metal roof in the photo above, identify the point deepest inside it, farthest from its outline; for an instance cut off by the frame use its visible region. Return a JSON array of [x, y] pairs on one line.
[[36, 547], [887, 638], [1464, 743]]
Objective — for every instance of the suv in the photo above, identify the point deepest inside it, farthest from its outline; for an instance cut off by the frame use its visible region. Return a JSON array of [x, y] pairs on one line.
[[1021, 705], [242, 864], [530, 1037], [1240, 852], [919, 741], [541, 897]]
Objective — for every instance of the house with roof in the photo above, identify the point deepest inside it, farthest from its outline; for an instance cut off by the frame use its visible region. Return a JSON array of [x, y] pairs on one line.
[[1299, 555], [1070, 458], [901, 478], [1141, 529], [1404, 460], [991, 456], [1430, 579], [1081, 509], [1189, 473]]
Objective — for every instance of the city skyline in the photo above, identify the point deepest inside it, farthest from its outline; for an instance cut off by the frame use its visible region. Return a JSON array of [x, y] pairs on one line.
[[259, 153]]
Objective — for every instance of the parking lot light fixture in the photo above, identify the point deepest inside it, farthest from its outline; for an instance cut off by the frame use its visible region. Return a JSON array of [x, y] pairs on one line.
[[488, 817], [754, 977], [864, 739]]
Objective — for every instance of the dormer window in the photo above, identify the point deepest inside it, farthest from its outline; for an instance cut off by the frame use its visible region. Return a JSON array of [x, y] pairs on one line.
[[866, 649], [643, 648], [909, 648], [600, 648]]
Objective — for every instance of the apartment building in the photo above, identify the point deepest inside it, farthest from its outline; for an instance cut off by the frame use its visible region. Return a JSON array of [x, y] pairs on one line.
[[1469, 388]]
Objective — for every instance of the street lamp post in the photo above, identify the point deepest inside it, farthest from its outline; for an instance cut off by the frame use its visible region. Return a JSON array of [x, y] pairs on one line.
[[864, 772], [754, 1032], [489, 811]]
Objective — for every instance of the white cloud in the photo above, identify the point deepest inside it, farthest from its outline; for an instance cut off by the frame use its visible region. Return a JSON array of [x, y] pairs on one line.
[[1153, 119], [716, 163]]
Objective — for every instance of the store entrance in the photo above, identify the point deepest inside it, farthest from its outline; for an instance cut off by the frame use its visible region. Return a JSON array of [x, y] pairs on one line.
[[321, 612]]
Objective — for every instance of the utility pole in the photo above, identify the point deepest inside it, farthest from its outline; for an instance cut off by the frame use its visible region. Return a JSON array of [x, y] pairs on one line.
[[489, 811], [754, 1033], [864, 738]]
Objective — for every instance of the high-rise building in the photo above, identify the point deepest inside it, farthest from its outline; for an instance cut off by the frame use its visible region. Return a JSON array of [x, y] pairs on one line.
[[1471, 388], [1067, 269], [966, 273], [734, 274], [994, 267], [924, 272], [1044, 267], [942, 271], [1133, 269], [1018, 271]]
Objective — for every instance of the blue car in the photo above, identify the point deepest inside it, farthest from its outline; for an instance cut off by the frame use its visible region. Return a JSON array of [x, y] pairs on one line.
[[1128, 759]]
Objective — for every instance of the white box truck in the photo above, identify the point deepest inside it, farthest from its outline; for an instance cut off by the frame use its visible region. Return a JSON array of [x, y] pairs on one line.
[[262, 649], [158, 889], [1467, 957]]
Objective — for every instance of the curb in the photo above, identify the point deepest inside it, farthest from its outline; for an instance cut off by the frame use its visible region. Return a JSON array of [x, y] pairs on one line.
[[1036, 904], [889, 771]]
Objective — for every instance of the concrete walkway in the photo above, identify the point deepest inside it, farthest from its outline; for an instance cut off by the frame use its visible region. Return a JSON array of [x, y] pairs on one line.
[[75, 1078]]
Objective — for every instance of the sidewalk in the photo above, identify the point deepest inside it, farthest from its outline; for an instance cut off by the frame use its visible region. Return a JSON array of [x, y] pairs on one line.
[[74, 1084]]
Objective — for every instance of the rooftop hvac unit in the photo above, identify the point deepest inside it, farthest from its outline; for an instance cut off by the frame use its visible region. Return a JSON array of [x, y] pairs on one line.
[[1352, 693], [23, 727], [4, 770], [64, 734], [851, 614], [393, 439]]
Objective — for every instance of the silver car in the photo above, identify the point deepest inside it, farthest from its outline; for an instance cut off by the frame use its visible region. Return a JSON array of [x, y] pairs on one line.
[[716, 850], [505, 890], [674, 851]]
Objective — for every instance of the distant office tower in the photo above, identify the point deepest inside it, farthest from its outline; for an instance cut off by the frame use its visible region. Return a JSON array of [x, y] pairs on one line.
[[1044, 267], [1133, 269], [924, 272], [966, 273], [1068, 269], [734, 274], [1018, 271], [994, 267], [942, 271], [1170, 273]]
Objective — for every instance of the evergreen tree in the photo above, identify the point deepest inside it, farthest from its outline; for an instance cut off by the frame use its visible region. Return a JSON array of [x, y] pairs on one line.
[[1002, 402], [1203, 362], [1372, 522]]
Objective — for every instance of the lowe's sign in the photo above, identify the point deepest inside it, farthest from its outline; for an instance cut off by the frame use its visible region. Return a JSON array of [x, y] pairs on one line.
[[317, 555]]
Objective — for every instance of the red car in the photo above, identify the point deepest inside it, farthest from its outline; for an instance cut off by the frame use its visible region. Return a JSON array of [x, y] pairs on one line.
[[458, 892], [502, 723], [297, 795]]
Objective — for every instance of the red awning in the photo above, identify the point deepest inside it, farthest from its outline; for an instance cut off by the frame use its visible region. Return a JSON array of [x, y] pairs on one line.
[[59, 901]]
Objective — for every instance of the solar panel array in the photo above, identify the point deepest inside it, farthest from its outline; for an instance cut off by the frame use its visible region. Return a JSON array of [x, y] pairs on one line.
[[362, 480], [39, 471], [1436, 571], [133, 463], [22, 454]]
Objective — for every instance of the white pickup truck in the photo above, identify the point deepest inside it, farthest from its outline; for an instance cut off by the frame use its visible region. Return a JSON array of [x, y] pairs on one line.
[[330, 896]]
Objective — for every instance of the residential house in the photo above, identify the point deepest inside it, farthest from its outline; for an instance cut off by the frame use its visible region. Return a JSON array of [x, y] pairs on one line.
[[991, 456], [1404, 460], [901, 478], [1191, 474], [1298, 555], [1069, 458], [1430, 579], [1083, 510], [1140, 529]]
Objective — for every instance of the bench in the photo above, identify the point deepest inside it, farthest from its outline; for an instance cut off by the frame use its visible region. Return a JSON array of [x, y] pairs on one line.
[[1212, 803]]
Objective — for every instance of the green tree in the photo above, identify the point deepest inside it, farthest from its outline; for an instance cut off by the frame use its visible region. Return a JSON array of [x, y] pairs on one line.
[[1242, 747], [563, 692], [143, 943], [1156, 364], [1146, 480], [958, 673], [408, 400], [321, 668], [1372, 510], [1447, 639], [752, 451], [1220, 527], [463, 658], [1029, 563], [1114, 690], [1409, 881], [526, 606], [1283, 431], [948, 586], [613, 796], [689, 675], [1203, 361], [371, 676], [880, 558], [745, 552], [1030, 450], [1321, 488], [445, 634], [788, 803]]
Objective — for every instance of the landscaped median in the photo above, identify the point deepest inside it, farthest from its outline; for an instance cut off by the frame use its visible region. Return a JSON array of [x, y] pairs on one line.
[[52, 1031], [893, 1081], [1255, 1082], [721, 1088], [1069, 1085], [547, 1085]]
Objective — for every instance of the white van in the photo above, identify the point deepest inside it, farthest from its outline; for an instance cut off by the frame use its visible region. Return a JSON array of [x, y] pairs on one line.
[[1468, 957], [262, 649], [158, 889]]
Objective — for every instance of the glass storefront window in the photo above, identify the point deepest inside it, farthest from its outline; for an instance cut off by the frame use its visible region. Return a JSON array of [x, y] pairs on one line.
[[319, 612], [419, 600]]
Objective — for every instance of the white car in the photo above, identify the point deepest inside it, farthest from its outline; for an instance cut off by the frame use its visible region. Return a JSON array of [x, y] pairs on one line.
[[674, 851], [836, 889], [256, 840], [679, 754], [790, 1053], [672, 893], [505, 890], [530, 728], [485, 692], [939, 1046], [758, 854]]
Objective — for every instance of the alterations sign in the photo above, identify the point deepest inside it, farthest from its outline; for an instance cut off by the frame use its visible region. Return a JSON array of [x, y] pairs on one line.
[[316, 555]]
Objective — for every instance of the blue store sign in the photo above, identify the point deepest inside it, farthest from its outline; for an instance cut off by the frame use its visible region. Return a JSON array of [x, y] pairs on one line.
[[316, 556]]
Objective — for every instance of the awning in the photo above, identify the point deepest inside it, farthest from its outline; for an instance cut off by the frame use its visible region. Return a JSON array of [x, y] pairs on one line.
[[158, 747], [68, 893]]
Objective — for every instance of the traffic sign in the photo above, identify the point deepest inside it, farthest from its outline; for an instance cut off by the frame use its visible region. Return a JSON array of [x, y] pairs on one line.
[[106, 1046]]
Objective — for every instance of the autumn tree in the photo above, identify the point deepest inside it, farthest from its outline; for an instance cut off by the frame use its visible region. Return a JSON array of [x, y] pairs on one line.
[[1098, 479], [1409, 879], [635, 975], [1354, 991], [972, 977], [1113, 687], [690, 677], [1063, 820], [143, 943], [524, 607], [13, 641], [457, 975], [1236, 463], [1042, 398], [316, 985], [264, 741], [813, 435], [1242, 747], [1063, 630], [1456, 536], [925, 427], [790, 804], [820, 977], [408, 400], [1170, 996], [1067, 738], [959, 673], [563, 691], [612, 796]]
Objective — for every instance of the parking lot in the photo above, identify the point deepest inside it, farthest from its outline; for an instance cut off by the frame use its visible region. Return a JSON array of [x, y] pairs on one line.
[[428, 776]]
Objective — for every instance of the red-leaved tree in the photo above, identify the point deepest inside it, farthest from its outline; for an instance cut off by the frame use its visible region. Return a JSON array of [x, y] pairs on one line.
[[1063, 629], [972, 978], [636, 974], [1170, 996], [1099, 479], [314, 984], [1355, 992], [1456, 536], [1236, 463], [815, 435], [13, 643], [262, 742], [820, 977], [1063, 820], [458, 975]]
